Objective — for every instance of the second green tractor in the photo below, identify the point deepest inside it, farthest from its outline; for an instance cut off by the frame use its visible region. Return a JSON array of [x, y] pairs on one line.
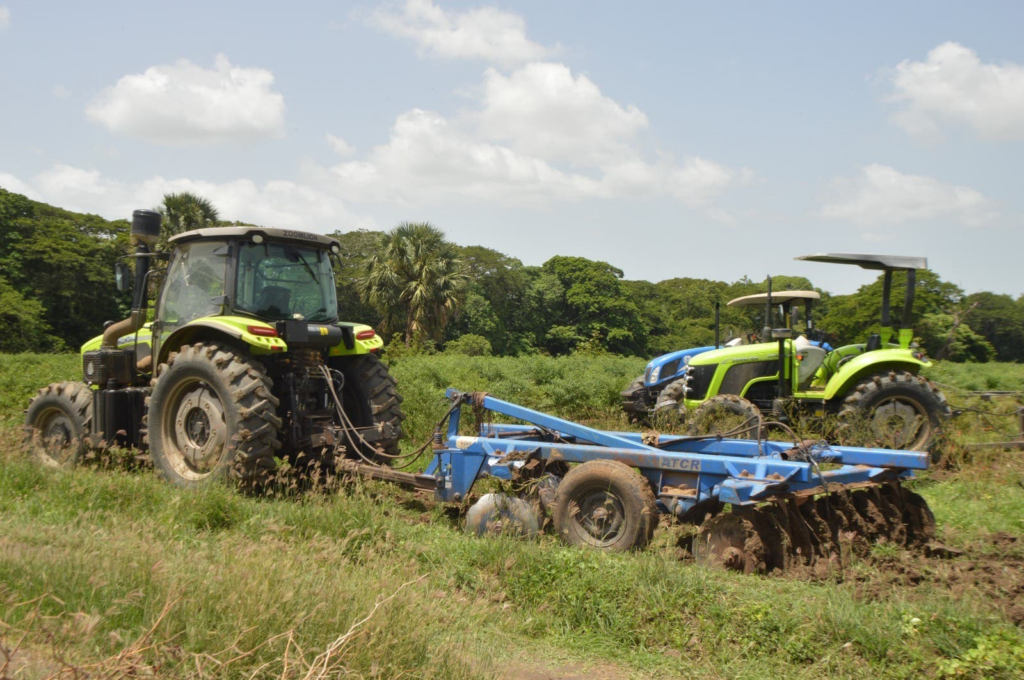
[[873, 389]]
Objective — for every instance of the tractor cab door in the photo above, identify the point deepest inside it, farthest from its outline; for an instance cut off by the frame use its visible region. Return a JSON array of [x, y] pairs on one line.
[[193, 287]]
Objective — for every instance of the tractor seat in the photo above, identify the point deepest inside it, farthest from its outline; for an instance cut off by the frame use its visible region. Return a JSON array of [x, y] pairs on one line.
[[811, 358], [274, 300]]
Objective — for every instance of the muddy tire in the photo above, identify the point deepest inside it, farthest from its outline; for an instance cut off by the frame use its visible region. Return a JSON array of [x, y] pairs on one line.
[[724, 413], [896, 410], [606, 505], [670, 401], [371, 398], [212, 418], [58, 423]]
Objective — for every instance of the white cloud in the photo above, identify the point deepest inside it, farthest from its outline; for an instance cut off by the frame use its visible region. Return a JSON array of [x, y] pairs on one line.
[[953, 86], [277, 203], [485, 33], [60, 92], [430, 159], [15, 185], [882, 196], [5, 18], [340, 146], [539, 135], [186, 103], [542, 110]]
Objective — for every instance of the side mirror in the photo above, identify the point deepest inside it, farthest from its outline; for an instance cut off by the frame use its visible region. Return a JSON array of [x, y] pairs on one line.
[[122, 277]]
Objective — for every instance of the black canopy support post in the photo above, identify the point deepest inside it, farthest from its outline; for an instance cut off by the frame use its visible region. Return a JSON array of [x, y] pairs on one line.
[[908, 304], [768, 325], [807, 313], [886, 288], [718, 335]]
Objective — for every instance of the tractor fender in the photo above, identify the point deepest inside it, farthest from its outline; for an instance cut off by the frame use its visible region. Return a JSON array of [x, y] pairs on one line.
[[851, 372], [213, 328]]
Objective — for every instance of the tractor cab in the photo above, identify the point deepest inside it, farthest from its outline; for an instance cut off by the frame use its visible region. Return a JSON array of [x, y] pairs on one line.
[[273, 284], [787, 303]]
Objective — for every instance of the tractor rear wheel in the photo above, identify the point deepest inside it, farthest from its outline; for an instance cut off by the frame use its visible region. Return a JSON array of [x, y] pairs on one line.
[[58, 423], [371, 398], [212, 418], [726, 414], [896, 410], [606, 505]]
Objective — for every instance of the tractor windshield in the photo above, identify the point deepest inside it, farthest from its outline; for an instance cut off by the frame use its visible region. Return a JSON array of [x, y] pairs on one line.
[[278, 281]]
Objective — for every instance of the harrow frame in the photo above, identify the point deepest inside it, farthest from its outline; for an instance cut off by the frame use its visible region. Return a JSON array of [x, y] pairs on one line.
[[682, 471]]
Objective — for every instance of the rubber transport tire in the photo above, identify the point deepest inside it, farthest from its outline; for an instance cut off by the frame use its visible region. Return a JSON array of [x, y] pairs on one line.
[[211, 418], [906, 392], [723, 405], [371, 398], [58, 423], [602, 493]]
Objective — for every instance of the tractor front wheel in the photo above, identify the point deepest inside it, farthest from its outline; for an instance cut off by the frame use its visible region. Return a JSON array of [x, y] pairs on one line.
[[58, 423], [605, 504], [726, 415], [896, 410], [212, 418]]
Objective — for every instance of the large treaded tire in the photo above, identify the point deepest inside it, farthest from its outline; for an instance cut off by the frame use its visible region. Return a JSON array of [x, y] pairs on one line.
[[722, 413], [858, 415], [58, 423], [625, 498], [670, 401], [239, 409], [371, 398]]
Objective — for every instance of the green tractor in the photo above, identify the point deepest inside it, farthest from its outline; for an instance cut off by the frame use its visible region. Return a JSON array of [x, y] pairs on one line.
[[874, 389], [244, 362]]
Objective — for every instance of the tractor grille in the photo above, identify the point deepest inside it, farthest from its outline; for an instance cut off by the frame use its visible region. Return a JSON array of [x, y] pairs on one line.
[[702, 376], [669, 369]]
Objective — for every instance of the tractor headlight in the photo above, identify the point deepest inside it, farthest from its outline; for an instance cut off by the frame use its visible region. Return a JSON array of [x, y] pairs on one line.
[[686, 360], [655, 372]]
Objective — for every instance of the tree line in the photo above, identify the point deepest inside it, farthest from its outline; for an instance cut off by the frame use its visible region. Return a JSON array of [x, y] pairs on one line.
[[426, 293]]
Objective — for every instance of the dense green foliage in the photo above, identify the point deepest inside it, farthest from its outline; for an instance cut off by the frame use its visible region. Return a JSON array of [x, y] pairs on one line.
[[56, 274], [416, 280], [56, 290]]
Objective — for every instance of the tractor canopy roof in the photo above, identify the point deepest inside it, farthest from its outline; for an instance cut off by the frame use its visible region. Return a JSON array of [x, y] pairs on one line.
[[781, 297], [270, 234], [879, 262]]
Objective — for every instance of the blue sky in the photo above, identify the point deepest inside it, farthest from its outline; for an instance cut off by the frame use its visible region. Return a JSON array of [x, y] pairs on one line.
[[670, 139]]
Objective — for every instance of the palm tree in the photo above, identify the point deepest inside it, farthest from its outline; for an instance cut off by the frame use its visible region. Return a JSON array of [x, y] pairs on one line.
[[416, 280], [186, 211]]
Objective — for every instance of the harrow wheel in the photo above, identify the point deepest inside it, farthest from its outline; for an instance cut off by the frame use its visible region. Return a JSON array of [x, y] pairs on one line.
[[816, 533], [606, 505]]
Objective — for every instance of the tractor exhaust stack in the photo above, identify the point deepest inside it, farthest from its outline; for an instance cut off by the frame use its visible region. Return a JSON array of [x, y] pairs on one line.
[[145, 234]]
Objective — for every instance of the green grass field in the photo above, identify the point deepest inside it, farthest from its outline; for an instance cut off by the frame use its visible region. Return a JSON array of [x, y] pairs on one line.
[[107, 570]]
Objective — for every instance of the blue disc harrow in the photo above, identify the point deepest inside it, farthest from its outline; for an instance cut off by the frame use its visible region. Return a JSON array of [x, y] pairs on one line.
[[788, 503]]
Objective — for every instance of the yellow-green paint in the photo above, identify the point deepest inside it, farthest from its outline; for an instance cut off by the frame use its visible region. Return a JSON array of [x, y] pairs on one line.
[[830, 381], [896, 358], [238, 327], [143, 337]]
